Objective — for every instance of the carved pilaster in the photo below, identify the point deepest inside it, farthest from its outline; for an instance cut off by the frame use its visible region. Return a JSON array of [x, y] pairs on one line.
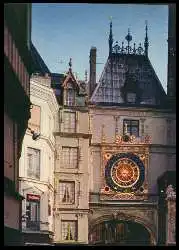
[[142, 121], [103, 137], [89, 123], [171, 215], [117, 132]]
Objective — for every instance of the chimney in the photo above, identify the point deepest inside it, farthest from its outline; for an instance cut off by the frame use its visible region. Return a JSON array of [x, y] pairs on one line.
[[92, 76]]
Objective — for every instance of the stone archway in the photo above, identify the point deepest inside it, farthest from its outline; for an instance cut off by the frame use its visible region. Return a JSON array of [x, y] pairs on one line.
[[118, 230]]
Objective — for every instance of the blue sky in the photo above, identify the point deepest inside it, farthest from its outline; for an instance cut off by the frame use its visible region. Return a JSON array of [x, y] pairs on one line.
[[61, 31]]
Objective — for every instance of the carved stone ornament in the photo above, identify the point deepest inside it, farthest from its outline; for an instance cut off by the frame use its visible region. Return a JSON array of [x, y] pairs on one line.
[[123, 196], [171, 194], [171, 222], [132, 139], [124, 173], [171, 218]]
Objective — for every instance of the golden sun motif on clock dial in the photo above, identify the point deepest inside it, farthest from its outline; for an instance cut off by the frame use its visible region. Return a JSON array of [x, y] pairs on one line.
[[125, 173]]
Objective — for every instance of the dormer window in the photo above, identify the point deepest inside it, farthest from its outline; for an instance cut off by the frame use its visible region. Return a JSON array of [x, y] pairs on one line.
[[131, 97], [70, 97]]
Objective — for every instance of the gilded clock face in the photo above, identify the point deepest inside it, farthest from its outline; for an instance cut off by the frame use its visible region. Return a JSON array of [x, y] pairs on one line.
[[124, 172]]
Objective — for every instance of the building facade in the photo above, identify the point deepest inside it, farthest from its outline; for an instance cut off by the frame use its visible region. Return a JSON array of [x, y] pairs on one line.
[[36, 182], [71, 164], [133, 145], [17, 35], [110, 149]]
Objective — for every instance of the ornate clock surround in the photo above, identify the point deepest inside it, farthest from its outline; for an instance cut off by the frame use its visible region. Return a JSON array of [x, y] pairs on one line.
[[124, 170]]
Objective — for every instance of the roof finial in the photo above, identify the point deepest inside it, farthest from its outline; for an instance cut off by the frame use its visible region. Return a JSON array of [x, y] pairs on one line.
[[146, 42], [86, 76], [110, 37], [129, 39], [70, 64]]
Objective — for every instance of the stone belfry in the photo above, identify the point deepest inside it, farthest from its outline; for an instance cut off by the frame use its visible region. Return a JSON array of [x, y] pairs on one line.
[[171, 86]]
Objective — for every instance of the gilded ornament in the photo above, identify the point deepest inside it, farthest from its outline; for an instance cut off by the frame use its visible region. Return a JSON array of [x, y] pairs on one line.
[[107, 156]]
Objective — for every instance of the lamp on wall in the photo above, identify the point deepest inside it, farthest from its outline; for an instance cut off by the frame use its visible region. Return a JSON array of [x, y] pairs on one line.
[[35, 135]]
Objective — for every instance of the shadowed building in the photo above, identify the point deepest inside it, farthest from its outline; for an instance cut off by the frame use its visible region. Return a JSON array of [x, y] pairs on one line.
[[171, 87], [167, 181], [17, 35]]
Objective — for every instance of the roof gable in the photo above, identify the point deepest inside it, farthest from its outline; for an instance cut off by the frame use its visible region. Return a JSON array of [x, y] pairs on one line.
[[114, 77], [70, 81]]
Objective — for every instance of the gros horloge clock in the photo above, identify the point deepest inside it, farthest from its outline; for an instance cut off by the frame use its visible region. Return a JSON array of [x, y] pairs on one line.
[[125, 172]]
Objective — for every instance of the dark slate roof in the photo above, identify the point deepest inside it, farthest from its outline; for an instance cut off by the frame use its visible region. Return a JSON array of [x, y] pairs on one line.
[[147, 80], [57, 80], [38, 64]]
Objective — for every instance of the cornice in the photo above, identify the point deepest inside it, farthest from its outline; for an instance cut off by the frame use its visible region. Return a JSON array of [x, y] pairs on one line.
[[122, 204], [39, 182], [73, 135], [47, 139], [132, 145], [71, 209], [50, 143], [133, 109], [44, 93]]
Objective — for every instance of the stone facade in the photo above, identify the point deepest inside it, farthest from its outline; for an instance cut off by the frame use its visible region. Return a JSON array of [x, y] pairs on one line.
[[105, 124], [71, 167]]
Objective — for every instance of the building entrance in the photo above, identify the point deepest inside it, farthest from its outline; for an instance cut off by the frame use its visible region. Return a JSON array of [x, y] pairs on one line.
[[118, 232]]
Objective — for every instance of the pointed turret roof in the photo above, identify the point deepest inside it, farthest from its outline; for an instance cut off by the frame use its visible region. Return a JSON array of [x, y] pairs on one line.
[[115, 82]]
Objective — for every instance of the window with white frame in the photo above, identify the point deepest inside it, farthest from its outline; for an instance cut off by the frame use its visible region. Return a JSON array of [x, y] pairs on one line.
[[70, 97], [33, 163], [66, 192], [69, 230], [69, 122], [69, 157]]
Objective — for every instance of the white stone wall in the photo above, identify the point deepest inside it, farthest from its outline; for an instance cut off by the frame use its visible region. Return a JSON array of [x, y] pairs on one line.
[[44, 97]]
